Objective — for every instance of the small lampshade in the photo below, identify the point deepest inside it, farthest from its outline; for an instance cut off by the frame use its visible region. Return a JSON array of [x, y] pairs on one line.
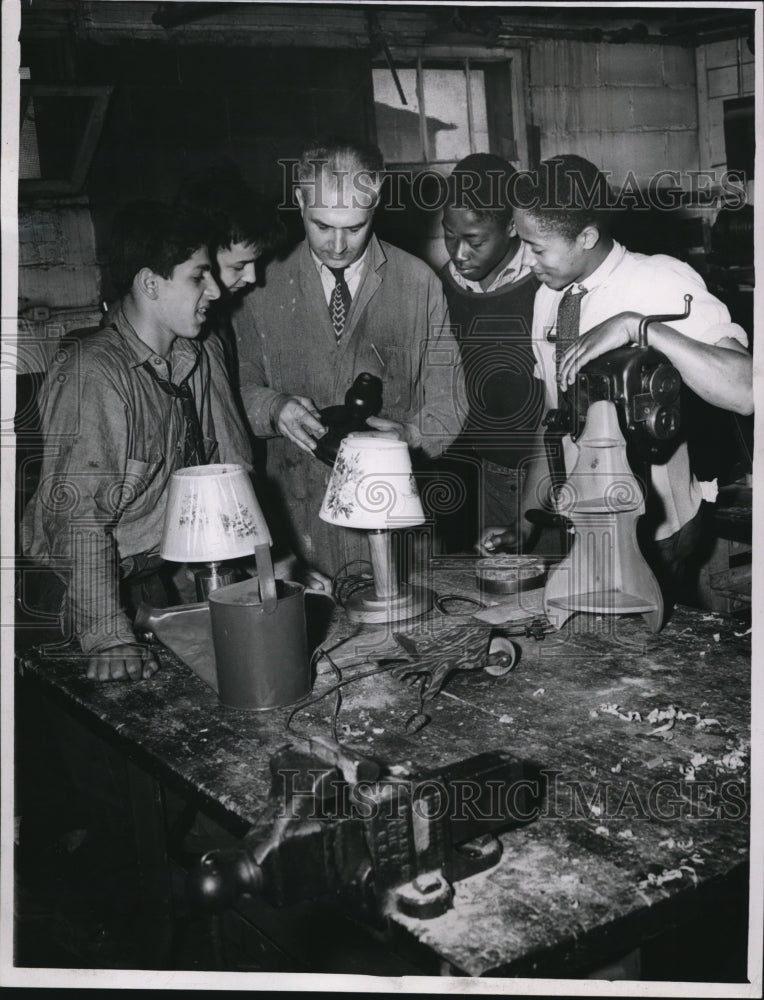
[[212, 515], [372, 486]]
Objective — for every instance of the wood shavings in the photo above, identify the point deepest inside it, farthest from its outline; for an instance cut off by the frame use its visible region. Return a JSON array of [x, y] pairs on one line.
[[667, 716], [595, 810], [617, 768], [613, 709], [602, 831], [739, 635], [732, 761], [653, 881], [400, 770], [506, 719], [716, 637], [659, 714], [684, 845], [665, 728], [626, 835], [691, 870], [688, 770], [670, 843], [538, 691], [705, 723], [347, 731], [671, 715]]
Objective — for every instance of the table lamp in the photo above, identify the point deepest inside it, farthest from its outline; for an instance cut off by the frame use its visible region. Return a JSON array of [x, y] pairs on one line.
[[212, 516], [372, 488]]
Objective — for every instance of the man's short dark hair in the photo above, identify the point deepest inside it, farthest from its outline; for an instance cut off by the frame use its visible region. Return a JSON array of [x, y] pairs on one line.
[[566, 193], [233, 211], [482, 183], [154, 235]]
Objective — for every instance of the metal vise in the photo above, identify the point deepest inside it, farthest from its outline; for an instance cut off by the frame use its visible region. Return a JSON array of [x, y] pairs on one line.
[[336, 825]]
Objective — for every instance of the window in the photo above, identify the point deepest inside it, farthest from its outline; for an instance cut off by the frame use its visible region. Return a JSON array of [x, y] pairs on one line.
[[453, 107], [59, 129]]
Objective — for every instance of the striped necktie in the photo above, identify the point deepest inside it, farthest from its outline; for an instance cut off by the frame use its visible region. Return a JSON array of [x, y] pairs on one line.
[[339, 303]]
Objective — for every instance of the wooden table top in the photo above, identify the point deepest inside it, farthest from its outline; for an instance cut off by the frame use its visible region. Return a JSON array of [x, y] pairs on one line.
[[645, 739]]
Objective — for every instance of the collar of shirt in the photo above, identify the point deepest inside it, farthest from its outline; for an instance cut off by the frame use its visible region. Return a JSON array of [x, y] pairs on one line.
[[353, 274], [516, 269], [184, 354], [603, 272]]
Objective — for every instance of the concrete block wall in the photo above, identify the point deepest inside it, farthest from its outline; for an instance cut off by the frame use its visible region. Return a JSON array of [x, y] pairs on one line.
[[625, 107], [59, 277]]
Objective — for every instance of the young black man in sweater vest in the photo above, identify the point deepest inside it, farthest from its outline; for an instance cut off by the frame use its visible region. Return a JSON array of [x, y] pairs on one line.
[[490, 291]]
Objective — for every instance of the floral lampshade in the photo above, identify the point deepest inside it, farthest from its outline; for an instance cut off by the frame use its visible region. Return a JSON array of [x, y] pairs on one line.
[[212, 515], [372, 486]]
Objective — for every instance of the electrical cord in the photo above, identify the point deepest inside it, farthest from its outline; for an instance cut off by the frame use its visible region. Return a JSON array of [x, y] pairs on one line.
[[335, 688], [442, 602], [345, 584]]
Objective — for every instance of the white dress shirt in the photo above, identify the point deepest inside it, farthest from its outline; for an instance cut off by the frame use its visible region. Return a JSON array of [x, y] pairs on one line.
[[649, 285], [353, 275]]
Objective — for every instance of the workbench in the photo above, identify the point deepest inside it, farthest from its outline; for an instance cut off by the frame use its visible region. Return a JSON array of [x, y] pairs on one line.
[[646, 815]]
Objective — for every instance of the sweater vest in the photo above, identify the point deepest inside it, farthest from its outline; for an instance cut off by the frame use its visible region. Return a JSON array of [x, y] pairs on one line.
[[506, 401]]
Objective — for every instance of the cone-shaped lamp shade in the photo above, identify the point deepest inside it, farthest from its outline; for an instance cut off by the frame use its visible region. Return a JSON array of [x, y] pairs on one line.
[[212, 515], [371, 486]]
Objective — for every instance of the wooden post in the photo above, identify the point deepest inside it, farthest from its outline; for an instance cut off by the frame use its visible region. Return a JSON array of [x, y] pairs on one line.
[[385, 580]]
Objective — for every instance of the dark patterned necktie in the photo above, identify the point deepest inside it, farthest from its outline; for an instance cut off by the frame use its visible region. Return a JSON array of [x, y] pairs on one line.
[[568, 320], [339, 303], [193, 439]]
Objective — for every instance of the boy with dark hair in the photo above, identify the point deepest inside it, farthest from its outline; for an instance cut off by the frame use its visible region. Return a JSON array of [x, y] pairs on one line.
[[490, 292], [594, 294], [122, 408], [134, 401], [240, 225]]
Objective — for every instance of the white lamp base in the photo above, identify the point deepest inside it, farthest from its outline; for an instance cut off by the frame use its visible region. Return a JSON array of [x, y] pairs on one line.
[[409, 602]]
